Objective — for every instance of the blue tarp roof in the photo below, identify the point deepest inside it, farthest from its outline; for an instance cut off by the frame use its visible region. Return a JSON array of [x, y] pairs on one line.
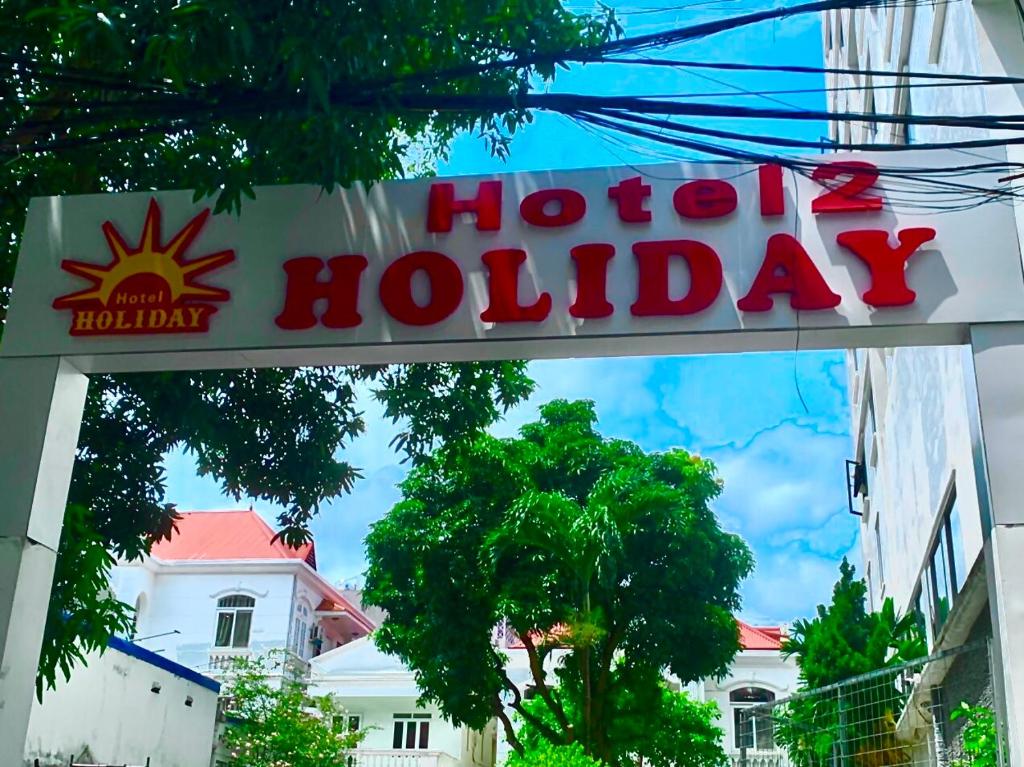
[[152, 658]]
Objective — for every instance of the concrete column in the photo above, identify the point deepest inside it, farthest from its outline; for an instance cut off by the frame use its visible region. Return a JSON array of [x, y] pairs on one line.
[[41, 402], [998, 352]]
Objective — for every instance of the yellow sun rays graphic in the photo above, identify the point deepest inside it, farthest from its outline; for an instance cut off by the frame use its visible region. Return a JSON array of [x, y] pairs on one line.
[[149, 258]]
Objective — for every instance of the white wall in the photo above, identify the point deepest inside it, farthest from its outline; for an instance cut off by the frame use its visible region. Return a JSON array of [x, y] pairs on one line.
[[751, 668], [108, 707], [924, 444], [921, 402], [378, 719], [187, 602]]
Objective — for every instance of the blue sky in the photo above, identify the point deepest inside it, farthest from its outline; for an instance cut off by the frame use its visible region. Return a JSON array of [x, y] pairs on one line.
[[777, 425]]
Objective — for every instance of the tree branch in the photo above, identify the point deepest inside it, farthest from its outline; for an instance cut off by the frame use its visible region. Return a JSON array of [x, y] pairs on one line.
[[539, 677], [510, 731], [517, 706]]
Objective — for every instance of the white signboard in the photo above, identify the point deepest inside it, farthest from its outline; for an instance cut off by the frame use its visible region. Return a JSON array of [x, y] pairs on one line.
[[658, 259]]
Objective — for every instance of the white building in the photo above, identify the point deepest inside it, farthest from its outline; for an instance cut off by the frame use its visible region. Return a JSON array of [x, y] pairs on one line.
[[127, 706], [379, 695], [925, 530], [222, 587]]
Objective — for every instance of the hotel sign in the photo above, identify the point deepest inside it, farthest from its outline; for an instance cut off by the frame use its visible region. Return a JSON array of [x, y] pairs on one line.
[[618, 257]]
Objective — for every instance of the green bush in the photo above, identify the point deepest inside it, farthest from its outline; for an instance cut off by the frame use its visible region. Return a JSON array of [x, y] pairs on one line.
[[548, 755], [980, 737]]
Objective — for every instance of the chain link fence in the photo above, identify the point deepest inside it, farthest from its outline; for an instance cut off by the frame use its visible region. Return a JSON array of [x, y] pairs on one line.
[[902, 716]]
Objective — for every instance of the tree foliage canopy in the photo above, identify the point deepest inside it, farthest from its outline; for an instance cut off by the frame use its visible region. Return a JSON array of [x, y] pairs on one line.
[[584, 546], [78, 77], [270, 724], [842, 642], [649, 723]]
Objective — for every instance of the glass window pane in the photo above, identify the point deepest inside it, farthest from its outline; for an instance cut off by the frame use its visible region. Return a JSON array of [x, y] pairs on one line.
[[751, 695], [396, 742], [764, 730], [878, 549], [424, 734], [957, 544], [743, 727], [940, 580], [410, 735], [243, 622], [353, 723], [224, 621], [236, 600]]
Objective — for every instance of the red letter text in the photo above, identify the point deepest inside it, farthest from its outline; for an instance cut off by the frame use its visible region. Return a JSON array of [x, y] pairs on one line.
[[592, 280], [442, 206], [445, 288], [769, 182], [503, 287], [571, 207], [652, 258], [340, 291], [788, 269], [887, 265], [709, 198], [629, 196]]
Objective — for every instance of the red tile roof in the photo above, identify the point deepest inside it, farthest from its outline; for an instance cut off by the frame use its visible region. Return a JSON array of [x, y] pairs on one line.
[[219, 535], [760, 637], [751, 637]]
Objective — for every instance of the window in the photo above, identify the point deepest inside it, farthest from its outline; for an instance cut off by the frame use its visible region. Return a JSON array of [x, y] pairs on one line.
[[411, 731], [918, 605], [234, 620], [956, 543], [752, 729], [347, 723], [871, 590], [300, 630], [878, 552], [946, 569]]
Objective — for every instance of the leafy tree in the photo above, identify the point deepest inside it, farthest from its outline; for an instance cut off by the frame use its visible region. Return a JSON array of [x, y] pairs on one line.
[[81, 78], [270, 724], [575, 541], [651, 725], [980, 737], [549, 755], [844, 640]]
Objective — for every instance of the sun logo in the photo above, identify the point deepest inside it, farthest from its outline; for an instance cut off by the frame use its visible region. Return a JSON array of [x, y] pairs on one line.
[[148, 289]]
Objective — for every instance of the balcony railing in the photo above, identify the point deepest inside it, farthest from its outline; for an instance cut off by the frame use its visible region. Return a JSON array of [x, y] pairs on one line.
[[760, 758], [222, 660], [399, 758]]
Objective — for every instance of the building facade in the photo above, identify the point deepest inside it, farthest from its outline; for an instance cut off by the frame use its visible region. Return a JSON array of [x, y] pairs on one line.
[[223, 588], [920, 479], [380, 697], [126, 706]]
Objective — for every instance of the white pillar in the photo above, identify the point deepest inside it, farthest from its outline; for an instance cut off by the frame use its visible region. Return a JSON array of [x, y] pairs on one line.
[[41, 402], [999, 372]]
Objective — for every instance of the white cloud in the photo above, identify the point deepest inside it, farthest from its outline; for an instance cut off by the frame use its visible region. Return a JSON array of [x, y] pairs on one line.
[[790, 477]]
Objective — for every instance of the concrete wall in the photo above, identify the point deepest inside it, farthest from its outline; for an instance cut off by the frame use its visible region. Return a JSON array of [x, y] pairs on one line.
[[187, 602], [108, 713]]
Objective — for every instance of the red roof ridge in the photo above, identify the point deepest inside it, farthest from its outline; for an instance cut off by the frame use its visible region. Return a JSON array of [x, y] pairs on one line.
[[242, 534], [759, 637], [226, 535]]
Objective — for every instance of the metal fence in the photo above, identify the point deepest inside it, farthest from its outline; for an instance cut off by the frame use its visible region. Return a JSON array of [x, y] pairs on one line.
[[901, 716]]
